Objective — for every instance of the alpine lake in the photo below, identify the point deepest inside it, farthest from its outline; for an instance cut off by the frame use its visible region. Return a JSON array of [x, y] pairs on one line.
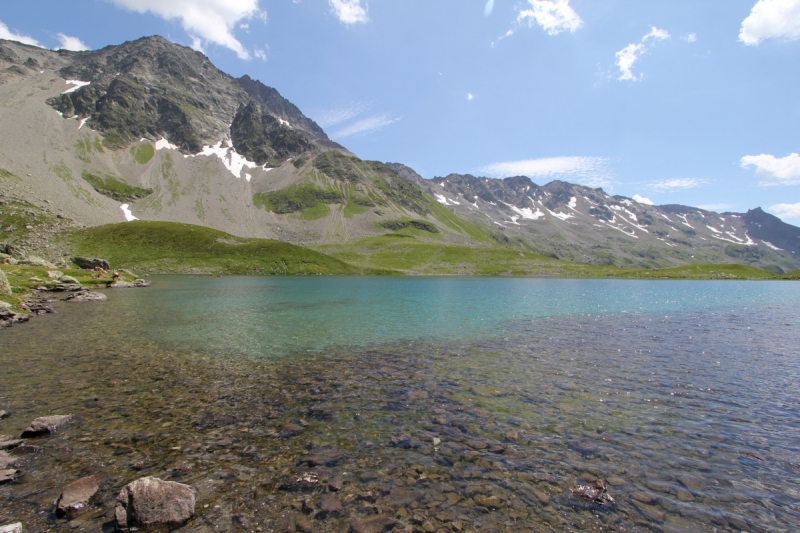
[[418, 404]]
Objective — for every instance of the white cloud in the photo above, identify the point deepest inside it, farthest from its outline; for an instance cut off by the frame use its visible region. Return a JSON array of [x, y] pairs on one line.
[[364, 126], [71, 43], [771, 19], [470, 97], [628, 55], [332, 117], [717, 207], [489, 8], [209, 20], [260, 54], [588, 170], [197, 44], [776, 171], [677, 184], [690, 38], [786, 210], [349, 11], [642, 200], [656, 34], [554, 16], [5, 33]]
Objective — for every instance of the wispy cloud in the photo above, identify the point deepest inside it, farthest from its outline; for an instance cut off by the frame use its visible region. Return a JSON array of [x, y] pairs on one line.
[[677, 184], [690, 38], [489, 8], [366, 125], [628, 55], [554, 17], [642, 200], [204, 20], [332, 117], [5, 33], [775, 170], [785, 210], [349, 11], [592, 171], [470, 97], [771, 19], [719, 208], [71, 43]]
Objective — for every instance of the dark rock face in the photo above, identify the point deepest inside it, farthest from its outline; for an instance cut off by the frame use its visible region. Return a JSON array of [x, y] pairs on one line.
[[262, 138], [279, 106], [150, 502], [75, 497], [46, 425], [91, 263]]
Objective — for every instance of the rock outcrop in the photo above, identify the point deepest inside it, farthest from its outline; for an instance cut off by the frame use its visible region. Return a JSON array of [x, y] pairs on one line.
[[91, 263]]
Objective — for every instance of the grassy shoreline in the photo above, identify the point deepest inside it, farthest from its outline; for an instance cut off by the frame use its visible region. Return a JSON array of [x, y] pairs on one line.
[[172, 248]]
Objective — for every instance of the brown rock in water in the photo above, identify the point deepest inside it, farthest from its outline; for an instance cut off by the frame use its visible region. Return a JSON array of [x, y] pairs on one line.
[[323, 456], [150, 502], [329, 506], [46, 425], [4, 414], [8, 475], [595, 491], [75, 497], [7, 442], [378, 524]]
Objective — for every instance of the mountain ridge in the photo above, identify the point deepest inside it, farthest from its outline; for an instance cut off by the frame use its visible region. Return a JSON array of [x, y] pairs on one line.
[[157, 126]]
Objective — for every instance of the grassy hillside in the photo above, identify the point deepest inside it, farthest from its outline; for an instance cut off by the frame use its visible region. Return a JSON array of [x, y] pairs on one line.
[[403, 252], [171, 247]]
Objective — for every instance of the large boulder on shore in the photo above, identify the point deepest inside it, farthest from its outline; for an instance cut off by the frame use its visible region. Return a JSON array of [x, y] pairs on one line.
[[5, 287], [150, 502], [91, 263], [75, 497], [86, 296], [46, 425]]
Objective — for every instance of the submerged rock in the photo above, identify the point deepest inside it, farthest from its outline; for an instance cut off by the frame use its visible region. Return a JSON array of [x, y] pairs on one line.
[[151, 502], [75, 497], [46, 425], [8, 475], [7, 442], [378, 524], [324, 456], [595, 492]]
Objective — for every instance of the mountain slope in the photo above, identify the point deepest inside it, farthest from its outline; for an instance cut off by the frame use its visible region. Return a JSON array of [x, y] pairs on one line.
[[152, 130], [587, 225]]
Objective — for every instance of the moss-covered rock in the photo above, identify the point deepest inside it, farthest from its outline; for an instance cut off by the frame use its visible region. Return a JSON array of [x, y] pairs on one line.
[[116, 189]]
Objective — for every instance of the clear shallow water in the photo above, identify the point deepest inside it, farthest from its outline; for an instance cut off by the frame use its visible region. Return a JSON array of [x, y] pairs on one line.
[[503, 395], [264, 317]]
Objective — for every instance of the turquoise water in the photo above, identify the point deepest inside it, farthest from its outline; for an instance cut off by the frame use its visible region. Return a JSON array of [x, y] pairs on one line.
[[267, 317]]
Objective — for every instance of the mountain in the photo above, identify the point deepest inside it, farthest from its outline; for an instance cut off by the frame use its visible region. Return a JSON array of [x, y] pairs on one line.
[[587, 225], [152, 130]]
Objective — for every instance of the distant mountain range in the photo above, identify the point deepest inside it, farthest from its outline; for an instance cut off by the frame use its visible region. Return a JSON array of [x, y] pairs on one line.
[[152, 130]]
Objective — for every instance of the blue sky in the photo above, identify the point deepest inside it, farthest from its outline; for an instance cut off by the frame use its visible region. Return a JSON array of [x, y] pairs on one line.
[[677, 101]]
